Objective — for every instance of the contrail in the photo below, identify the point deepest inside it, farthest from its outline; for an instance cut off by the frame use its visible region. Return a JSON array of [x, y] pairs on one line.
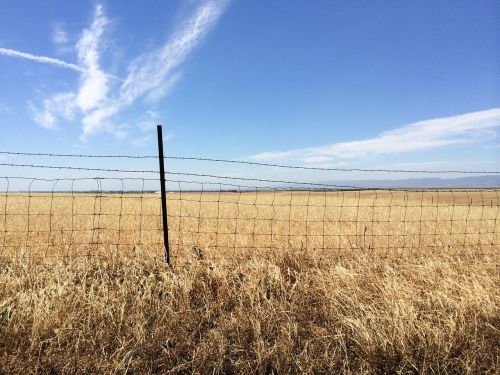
[[42, 59]]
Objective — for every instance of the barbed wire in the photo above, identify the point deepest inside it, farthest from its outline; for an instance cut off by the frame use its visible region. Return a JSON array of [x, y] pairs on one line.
[[219, 217], [220, 177], [79, 155], [77, 168], [210, 223], [179, 174], [333, 169], [232, 187], [244, 162]]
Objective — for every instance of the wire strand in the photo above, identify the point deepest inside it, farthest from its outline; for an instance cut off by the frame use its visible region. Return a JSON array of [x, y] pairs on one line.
[[245, 162]]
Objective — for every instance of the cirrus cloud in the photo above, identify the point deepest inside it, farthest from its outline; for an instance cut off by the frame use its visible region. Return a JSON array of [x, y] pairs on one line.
[[421, 135], [41, 59], [99, 96]]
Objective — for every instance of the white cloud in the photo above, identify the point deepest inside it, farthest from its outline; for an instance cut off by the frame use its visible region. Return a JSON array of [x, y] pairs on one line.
[[163, 89], [62, 104], [40, 59], [93, 86], [59, 36], [422, 135], [316, 159], [94, 82], [153, 74], [152, 70], [150, 76], [149, 121]]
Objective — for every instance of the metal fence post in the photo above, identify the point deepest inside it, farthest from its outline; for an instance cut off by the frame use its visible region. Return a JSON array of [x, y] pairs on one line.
[[163, 196]]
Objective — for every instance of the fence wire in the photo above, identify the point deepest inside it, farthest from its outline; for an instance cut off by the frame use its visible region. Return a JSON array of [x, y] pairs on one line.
[[78, 216], [228, 217], [247, 162], [211, 220]]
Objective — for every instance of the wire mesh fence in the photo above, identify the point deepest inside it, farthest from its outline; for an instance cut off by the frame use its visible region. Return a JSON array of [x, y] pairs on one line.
[[328, 223], [53, 217], [234, 216]]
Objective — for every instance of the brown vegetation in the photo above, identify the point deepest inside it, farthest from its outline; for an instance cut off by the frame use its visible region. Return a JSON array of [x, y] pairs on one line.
[[289, 310], [281, 315], [236, 224]]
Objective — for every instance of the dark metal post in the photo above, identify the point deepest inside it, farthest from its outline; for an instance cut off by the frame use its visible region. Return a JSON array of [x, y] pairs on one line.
[[163, 195]]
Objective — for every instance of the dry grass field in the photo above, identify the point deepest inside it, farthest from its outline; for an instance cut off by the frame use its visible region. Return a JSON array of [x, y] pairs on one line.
[[239, 224], [368, 282]]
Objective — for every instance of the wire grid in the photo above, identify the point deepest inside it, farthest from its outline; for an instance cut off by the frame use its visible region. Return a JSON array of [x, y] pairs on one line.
[[210, 220], [65, 220], [222, 220]]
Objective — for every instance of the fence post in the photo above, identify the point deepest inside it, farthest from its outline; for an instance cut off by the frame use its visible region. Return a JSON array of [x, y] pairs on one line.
[[163, 196]]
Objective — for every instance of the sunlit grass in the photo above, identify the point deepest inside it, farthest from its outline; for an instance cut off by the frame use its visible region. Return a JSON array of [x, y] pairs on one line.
[[278, 302]]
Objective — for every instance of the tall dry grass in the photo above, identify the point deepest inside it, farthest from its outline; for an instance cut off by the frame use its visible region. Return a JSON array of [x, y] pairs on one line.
[[279, 315], [430, 304], [238, 224]]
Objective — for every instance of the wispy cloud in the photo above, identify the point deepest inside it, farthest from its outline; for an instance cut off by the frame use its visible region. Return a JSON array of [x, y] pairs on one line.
[[152, 74], [147, 124], [93, 81], [422, 135], [93, 86], [152, 70], [148, 121], [62, 41], [40, 59], [59, 36], [62, 104], [98, 99]]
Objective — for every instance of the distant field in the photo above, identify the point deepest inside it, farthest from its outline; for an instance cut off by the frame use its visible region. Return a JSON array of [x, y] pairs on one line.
[[238, 224]]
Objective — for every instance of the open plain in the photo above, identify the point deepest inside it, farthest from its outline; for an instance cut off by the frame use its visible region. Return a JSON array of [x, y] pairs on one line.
[[261, 282]]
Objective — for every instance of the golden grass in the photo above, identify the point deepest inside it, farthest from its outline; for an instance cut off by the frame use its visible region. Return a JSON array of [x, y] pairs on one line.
[[237, 224], [284, 315], [286, 307]]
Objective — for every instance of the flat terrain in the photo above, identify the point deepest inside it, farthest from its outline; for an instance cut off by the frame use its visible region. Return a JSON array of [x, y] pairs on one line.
[[236, 224], [372, 282]]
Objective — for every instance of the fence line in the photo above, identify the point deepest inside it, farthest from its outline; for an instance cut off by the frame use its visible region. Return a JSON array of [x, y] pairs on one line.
[[220, 177], [225, 218], [218, 223], [246, 162]]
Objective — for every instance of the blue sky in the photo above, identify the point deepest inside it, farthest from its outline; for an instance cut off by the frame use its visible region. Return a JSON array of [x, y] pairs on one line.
[[397, 84]]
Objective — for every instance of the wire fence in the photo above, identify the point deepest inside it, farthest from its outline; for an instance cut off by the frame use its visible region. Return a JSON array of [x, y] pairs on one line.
[[213, 216]]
